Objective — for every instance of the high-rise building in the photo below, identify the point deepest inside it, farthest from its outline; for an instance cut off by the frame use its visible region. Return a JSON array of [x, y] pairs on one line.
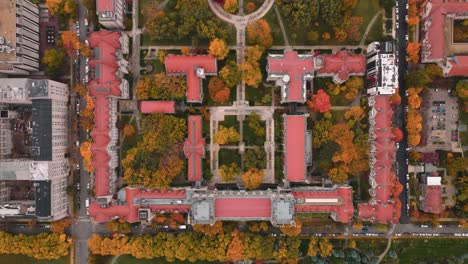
[[111, 13], [19, 37], [34, 126]]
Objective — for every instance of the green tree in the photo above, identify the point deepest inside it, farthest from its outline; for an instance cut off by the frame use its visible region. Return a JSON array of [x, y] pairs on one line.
[[255, 158], [54, 60], [229, 173], [301, 12], [321, 132], [230, 74], [331, 11], [418, 78]]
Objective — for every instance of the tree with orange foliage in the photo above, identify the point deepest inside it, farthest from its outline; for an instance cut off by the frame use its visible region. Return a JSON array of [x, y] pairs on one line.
[[250, 7], [414, 100], [219, 93], [355, 113], [326, 36], [398, 134], [253, 178], [412, 21], [258, 32], [85, 151], [119, 226], [60, 225], [218, 48], [128, 130], [395, 98], [319, 102], [81, 90], [413, 49], [340, 34], [292, 230], [414, 139], [209, 230], [235, 251], [62, 7], [70, 42]]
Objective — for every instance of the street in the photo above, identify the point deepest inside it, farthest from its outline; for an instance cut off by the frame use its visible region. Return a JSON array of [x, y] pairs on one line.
[[401, 155]]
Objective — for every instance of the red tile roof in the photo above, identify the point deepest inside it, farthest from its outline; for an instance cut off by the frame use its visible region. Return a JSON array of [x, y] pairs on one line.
[[187, 65], [105, 5], [242, 207], [194, 148], [432, 202], [459, 66], [130, 210], [296, 67], [149, 107], [294, 160], [343, 65], [104, 85], [434, 35], [342, 211], [382, 206]]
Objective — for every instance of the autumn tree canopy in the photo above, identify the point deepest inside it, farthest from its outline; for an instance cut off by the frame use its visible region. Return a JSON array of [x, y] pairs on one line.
[[231, 6], [119, 226], [54, 60], [255, 158], [161, 87], [230, 74], [292, 230], [319, 102], [413, 49], [258, 32], [64, 8], [128, 130], [229, 173], [156, 160], [253, 178], [218, 91], [218, 48], [85, 151], [226, 135]]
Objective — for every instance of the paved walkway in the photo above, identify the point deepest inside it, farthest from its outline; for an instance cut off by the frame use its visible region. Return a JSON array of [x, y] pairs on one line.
[[369, 26], [135, 62], [283, 31]]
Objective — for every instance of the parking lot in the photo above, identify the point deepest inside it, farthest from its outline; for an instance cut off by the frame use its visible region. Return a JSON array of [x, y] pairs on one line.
[[440, 114]]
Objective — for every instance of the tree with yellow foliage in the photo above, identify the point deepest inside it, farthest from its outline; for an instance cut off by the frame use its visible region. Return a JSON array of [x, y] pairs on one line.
[[218, 48], [251, 74], [62, 7], [226, 136], [231, 6], [313, 249], [209, 230], [253, 178], [292, 230], [338, 175], [229, 173], [326, 248]]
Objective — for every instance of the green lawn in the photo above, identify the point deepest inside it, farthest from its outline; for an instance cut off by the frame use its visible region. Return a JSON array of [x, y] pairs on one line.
[[429, 250], [367, 10], [276, 34], [464, 134], [127, 259], [376, 32], [230, 121], [22, 259], [337, 115], [250, 138], [228, 156]]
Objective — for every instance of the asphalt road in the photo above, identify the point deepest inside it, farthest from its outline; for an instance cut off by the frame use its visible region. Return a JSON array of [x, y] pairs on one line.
[[82, 228], [401, 155]]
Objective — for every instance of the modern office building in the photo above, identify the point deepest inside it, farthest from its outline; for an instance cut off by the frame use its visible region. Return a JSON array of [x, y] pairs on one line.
[[19, 37], [33, 166], [111, 13], [382, 69]]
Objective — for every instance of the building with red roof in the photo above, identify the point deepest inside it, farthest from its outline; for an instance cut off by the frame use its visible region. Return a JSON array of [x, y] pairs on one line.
[[431, 198], [384, 205], [436, 16], [111, 13], [194, 148], [297, 147], [431, 195], [196, 68], [291, 72], [340, 65], [336, 201], [151, 107], [106, 87]]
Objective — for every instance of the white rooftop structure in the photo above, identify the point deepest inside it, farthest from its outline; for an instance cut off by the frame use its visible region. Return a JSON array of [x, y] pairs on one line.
[[434, 180]]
